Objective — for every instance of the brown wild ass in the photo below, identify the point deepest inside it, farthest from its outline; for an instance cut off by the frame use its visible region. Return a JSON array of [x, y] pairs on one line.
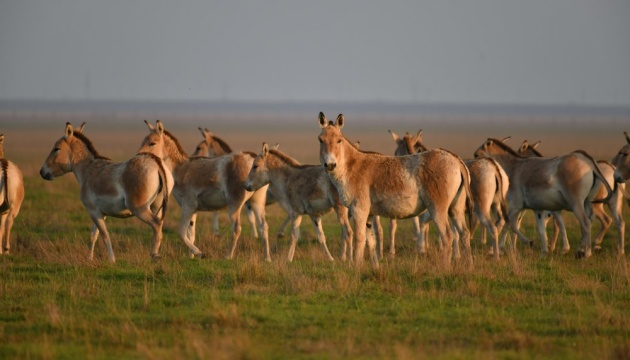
[[615, 204], [212, 146], [568, 182], [208, 184], [139, 186], [392, 186], [302, 190], [11, 197]]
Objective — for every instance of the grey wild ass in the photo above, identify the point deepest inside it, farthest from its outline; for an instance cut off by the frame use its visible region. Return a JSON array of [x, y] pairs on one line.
[[615, 204], [208, 184], [212, 146], [11, 195], [302, 190], [621, 161], [139, 186], [391, 186], [568, 182]]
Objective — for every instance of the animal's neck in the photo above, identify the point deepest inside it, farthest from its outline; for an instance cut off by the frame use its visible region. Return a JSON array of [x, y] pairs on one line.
[[507, 161], [174, 158]]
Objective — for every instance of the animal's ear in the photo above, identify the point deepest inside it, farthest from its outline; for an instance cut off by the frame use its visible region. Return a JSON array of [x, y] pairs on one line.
[[506, 138], [159, 127], [207, 135], [489, 143], [340, 120], [80, 129], [524, 146], [627, 137], [69, 130], [322, 120], [1, 138], [419, 137], [394, 136], [151, 127], [276, 147], [535, 145], [357, 144], [265, 149]]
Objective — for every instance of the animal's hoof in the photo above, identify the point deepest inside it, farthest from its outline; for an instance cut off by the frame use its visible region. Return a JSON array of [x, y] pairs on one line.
[[269, 259], [280, 235], [580, 254], [155, 257], [531, 244], [200, 255], [597, 249]]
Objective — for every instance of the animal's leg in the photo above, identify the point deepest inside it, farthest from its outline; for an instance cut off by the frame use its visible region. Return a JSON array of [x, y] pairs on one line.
[[583, 215], [393, 225], [187, 229], [423, 245], [616, 206], [416, 227], [234, 213], [156, 224], [283, 227], [371, 242], [359, 218], [440, 217], [559, 223], [378, 232], [295, 235], [488, 226], [252, 219], [605, 220], [93, 238], [99, 222], [346, 232], [317, 222], [257, 206], [542, 231], [3, 220], [215, 223]]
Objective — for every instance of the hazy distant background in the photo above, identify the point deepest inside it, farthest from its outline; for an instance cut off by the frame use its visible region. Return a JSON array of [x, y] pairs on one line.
[[542, 52]]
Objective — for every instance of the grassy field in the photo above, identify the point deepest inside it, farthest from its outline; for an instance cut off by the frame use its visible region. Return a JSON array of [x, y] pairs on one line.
[[54, 303]]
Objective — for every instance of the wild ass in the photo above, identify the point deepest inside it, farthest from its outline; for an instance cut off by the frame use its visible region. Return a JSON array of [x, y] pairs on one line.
[[568, 182], [11, 195], [212, 146], [139, 186], [621, 161], [392, 186], [207, 184], [615, 204], [302, 190]]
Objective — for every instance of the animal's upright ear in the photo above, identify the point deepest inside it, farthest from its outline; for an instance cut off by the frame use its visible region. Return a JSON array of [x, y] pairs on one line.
[[394, 136], [488, 143], [69, 130], [159, 127], [506, 138], [151, 127], [265, 149], [207, 135], [340, 121], [535, 145], [322, 120], [627, 136], [524, 146], [1, 139], [418, 137], [276, 147], [80, 129]]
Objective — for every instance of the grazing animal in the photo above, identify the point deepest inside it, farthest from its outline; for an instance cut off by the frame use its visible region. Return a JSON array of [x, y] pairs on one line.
[[139, 186], [568, 182], [615, 204], [212, 146], [11, 197], [208, 184], [302, 190], [392, 186], [621, 161]]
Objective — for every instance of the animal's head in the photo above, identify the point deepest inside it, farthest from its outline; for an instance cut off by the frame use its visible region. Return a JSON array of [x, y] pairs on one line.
[[60, 159], [331, 142], [154, 141], [529, 150], [1, 145], [205, 147], [259, 173], [622, 162], [494, 147], [408, 144]]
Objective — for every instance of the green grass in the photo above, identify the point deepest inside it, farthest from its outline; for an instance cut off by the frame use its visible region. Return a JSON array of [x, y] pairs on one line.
[[54, 303]]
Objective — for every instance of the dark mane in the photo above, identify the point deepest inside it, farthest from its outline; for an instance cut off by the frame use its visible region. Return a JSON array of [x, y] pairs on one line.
[[359, 150], [286, 159], [224, 146], [505, 147], [89, 145], [176, 142]]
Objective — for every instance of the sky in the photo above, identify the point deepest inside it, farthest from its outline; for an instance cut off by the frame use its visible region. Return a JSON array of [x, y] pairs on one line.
[[462, 51]]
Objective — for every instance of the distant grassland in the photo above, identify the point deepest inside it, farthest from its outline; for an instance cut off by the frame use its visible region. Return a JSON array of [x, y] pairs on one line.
[[54, 303]]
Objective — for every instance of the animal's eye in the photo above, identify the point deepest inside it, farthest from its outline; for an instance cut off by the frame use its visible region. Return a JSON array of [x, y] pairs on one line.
[[56, 149], [152, 143], [255, 167], [339, 141]]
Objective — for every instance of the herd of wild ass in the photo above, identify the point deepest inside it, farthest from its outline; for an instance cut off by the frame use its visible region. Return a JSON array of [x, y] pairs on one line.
[[493, 190]]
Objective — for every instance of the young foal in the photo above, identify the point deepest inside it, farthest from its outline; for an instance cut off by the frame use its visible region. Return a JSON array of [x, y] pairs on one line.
[[615, 204], [303, 190], [135, 187], [391, 186], [11, 195], [207, 184], [568, 182]]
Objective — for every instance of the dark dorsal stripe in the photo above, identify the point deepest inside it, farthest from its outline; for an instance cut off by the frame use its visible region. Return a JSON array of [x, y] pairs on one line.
[[503, 146], [534, 151], [224, 146], [5, 172], [176, 142], [88, 144], [286, 159]]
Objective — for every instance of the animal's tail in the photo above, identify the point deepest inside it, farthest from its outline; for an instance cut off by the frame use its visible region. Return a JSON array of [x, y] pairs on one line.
[[163, 183], [499, 181], [5, 171], [598, 174], [465, 176]]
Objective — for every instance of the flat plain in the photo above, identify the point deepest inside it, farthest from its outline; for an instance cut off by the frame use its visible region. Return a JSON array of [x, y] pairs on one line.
[[54, 303]]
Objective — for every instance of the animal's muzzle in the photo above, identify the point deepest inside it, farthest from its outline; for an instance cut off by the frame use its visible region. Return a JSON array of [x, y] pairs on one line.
[[249, 187], [619, 179], [330, 167], [45, 175]]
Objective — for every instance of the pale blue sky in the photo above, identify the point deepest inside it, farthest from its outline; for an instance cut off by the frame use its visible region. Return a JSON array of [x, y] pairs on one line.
[[485, 51]]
